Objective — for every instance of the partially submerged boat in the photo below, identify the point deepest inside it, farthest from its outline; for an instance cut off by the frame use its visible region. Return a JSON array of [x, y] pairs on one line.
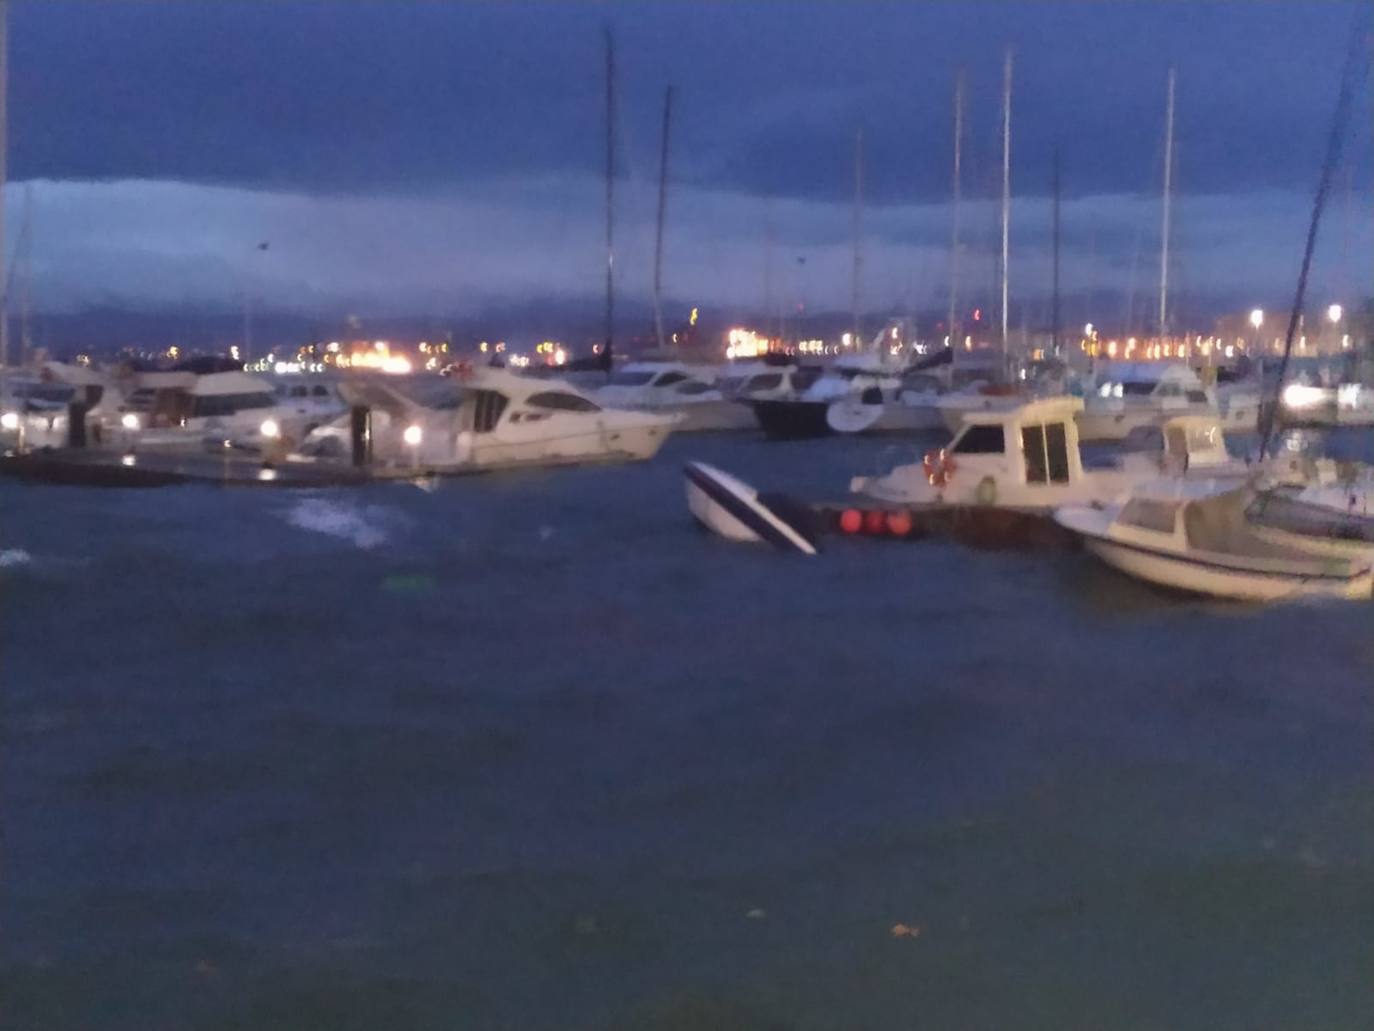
[[1193, 536], [732, 509]]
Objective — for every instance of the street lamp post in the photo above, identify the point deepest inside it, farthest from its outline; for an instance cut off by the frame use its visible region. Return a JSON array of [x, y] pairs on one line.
[[1256, 321]]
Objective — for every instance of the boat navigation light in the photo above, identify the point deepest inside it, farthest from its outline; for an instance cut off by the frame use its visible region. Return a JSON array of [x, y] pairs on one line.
[[9, 421], [413, 435], [270, 429], [129, 421]]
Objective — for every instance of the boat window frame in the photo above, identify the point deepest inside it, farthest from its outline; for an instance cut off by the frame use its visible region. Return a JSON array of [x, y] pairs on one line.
[[1147, 514], [956, 446], [581, 404]]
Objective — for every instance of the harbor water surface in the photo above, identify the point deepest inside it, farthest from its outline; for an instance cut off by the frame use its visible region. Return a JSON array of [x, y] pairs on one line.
[[529, 751]]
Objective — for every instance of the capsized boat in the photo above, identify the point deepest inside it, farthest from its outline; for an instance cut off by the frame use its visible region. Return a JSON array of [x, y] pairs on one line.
[[1193, 536], [732, 509], [486, 419], [1028, 457]]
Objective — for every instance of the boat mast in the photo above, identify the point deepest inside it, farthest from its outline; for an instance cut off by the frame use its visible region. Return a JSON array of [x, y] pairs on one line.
[[958, 189], [1334, 144], [662, 209], [1006, 197], [4, 177], [858, 228], [610, 191], [1168, 199], [1054, 296]]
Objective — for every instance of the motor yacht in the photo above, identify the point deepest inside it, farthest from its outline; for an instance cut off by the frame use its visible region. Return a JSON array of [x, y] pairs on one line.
[[488, 419], [1128, 395], [670, 387]]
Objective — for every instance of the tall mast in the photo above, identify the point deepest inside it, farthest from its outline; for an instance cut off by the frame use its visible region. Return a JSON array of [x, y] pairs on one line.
[[958, 190], [858, 227], [662, 209], [610, 190], [1054, 297], [1006, 194], [1168, 199], [4, 176]]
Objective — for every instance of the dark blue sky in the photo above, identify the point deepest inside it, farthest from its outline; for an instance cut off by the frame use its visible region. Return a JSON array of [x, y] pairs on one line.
[[473, 103]]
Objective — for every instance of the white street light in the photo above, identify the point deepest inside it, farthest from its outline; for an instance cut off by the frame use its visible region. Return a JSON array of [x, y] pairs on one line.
[[9, 421], [1257, 317], [1335, 312], [129, 421], [413, 435]]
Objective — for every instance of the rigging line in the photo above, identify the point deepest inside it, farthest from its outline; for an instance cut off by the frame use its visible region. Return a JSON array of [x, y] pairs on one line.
[[1334, 145]]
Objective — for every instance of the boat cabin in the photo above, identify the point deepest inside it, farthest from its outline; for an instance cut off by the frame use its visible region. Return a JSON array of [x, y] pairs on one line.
[[1170, 383], [1034, 443]]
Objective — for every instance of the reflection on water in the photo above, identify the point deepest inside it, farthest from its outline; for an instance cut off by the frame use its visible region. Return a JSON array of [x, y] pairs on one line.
[[529, 752]]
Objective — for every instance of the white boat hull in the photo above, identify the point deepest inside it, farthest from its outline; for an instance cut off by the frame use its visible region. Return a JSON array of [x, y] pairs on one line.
[[1215, 575], [732, 509]]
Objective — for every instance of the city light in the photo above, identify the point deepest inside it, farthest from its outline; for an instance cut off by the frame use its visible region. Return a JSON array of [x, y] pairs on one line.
[[413, 435], [1257, 317], [9, 421], [129, 421], [1334, 312]]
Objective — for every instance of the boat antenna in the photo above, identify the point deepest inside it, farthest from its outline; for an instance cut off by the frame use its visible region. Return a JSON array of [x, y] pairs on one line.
[[662, 210], [1335, 142], [610, 191], [957, 190]]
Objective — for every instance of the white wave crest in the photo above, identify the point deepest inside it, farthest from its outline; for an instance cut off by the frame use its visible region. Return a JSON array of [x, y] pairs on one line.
[[358, 526], [14, 557]]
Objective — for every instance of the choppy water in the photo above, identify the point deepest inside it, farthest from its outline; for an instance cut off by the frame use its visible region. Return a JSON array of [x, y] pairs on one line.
[[530, 752]]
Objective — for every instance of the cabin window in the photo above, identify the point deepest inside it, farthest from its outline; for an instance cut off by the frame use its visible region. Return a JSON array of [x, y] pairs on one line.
[[694, 387], [872, 396], [1197, 397], [980, 440], [1046, 452], [320, 391], [765, 381], [668, 379], [1149, 515], [1057, 452], [297, 392], [209, 405], [487, 407], [630, 379], [562, 402], [1138, 390]]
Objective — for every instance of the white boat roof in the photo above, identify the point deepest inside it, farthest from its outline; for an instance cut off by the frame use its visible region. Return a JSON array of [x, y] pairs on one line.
[[669, 366], [230, 383], [165, 380], [1148, 372], [1180, 489], [1036, 410]]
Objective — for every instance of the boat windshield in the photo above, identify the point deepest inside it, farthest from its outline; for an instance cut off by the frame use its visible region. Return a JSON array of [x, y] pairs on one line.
[[1149, 514], [980, 440], [630, 379]]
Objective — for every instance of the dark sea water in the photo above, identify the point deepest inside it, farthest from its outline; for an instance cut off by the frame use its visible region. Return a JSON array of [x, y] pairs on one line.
[[531, 752]]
